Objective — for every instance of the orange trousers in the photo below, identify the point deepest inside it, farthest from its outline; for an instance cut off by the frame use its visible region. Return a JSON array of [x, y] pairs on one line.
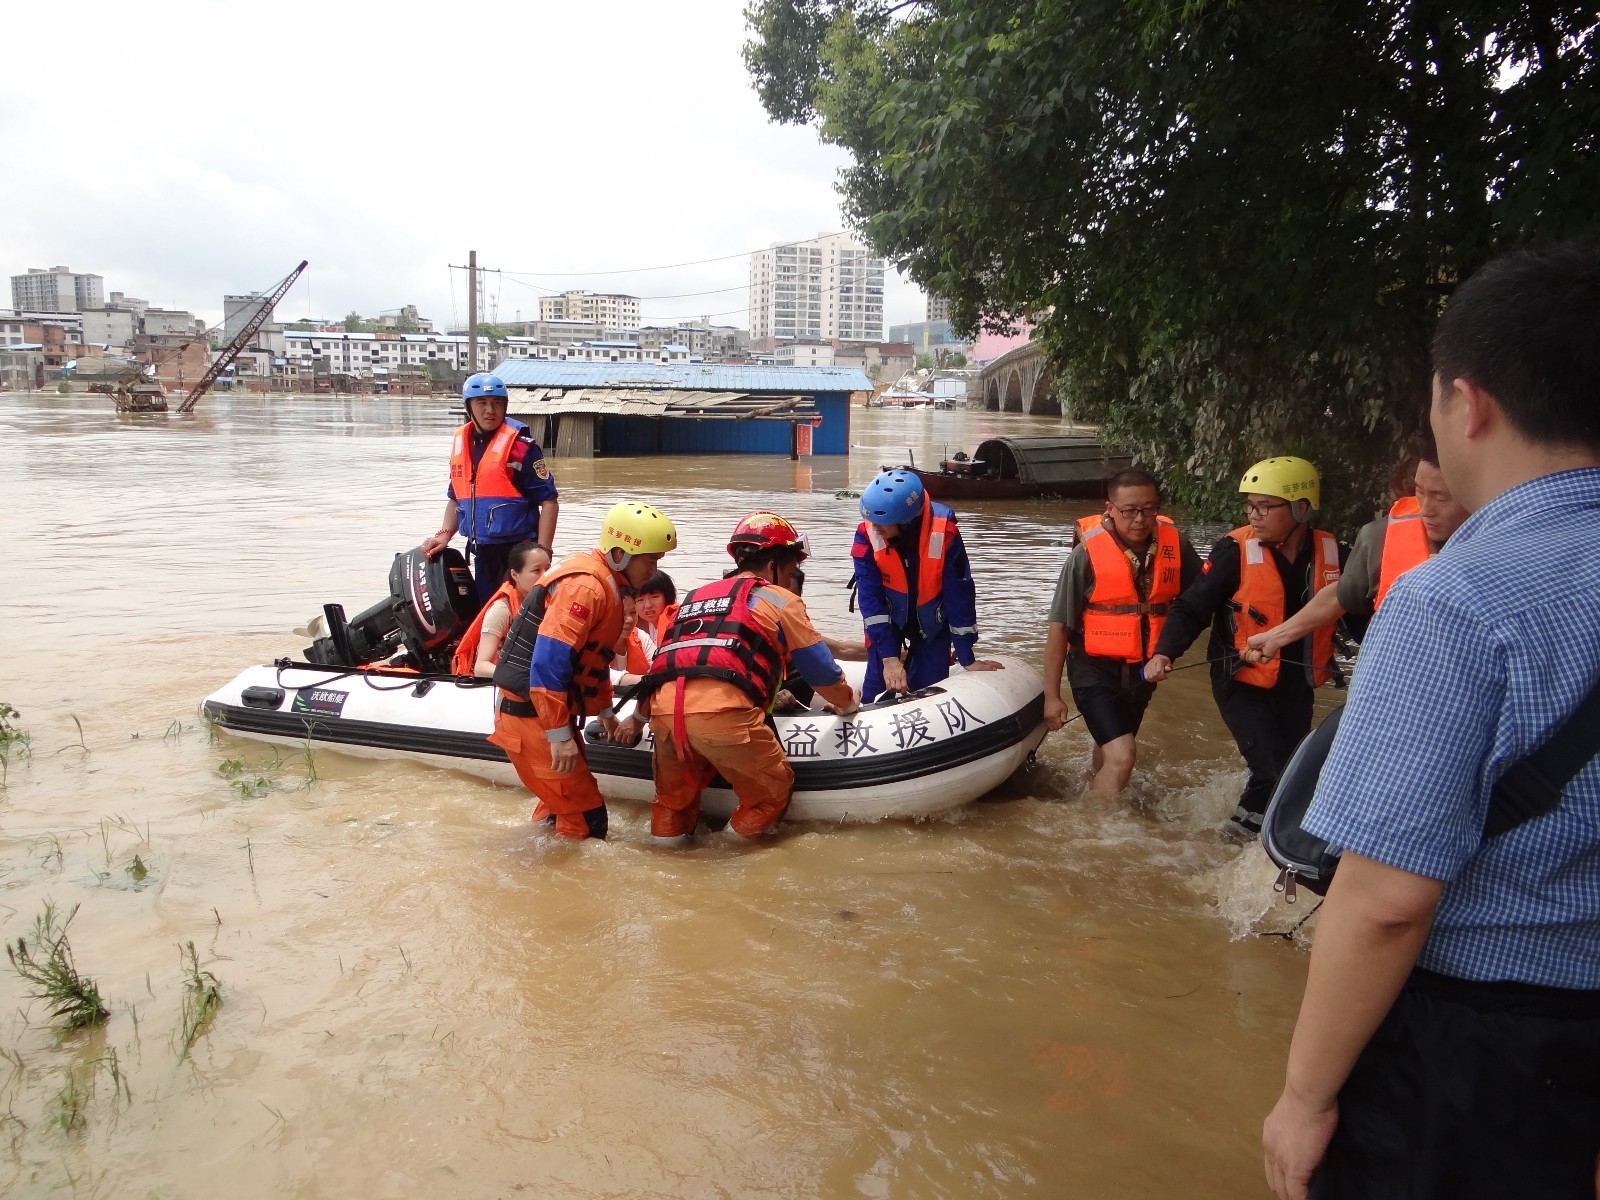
[[573, 799], [736, 743]]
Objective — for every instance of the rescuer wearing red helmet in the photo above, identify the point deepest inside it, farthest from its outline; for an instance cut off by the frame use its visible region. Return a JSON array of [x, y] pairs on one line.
[[555, 667], [716, 673]]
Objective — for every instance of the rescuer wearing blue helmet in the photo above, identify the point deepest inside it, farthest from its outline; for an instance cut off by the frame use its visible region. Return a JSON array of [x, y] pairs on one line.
[[914, 585], [501, 492]]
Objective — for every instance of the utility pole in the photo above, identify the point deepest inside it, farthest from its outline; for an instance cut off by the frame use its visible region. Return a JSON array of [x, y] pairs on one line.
[[472, 312]]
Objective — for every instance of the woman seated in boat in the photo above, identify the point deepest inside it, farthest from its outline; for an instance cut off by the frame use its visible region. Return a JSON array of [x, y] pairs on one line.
[[479, 648]]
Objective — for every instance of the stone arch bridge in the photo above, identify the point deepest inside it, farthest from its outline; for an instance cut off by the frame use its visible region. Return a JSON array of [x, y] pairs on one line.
[[1020, 381]]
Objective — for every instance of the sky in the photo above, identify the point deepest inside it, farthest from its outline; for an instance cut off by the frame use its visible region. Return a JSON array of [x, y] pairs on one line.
[[184, 149]]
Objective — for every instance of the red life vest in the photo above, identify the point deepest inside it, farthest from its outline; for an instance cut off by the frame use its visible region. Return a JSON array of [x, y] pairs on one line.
[[938, 535], [1405, 544], [715, 636], [591, 662], [1260, 604], [489, 508], [1116, 622], [465, 660]]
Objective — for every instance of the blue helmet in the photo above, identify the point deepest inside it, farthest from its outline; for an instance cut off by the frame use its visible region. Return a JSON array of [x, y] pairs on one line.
[[480, 385], [893, 498]]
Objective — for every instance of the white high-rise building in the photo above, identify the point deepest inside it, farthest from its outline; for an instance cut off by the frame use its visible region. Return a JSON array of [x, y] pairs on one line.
[[600, 307], [58, 289], [828, 287]]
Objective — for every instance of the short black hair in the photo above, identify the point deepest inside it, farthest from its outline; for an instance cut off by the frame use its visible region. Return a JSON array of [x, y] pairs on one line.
[[660, 584], [1526, 329], [1132, 477], [780, 555]]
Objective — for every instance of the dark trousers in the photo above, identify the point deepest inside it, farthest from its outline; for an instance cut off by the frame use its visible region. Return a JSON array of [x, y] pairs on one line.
[[490, 566], [1471, 1091], [1267, 724], [927, 663]]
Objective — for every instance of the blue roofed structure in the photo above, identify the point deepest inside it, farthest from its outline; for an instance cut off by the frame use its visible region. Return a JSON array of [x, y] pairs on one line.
[[608, 409]]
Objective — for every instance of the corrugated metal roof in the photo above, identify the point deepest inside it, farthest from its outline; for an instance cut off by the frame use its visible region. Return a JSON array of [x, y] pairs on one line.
[[712, 377], [665, 402]]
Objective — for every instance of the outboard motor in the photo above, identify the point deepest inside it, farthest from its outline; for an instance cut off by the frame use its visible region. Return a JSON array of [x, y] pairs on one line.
[[430, 603]]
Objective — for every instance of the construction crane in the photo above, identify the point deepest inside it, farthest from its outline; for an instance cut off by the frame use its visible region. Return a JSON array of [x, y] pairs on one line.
[[240, 340]]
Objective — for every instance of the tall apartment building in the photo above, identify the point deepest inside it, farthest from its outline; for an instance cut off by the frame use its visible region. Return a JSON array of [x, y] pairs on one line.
[[58, 289], [239, 311], [601, 308], [830, 287], [938, 308]]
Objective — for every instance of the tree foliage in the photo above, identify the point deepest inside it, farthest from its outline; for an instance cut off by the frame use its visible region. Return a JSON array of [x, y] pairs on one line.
[[1233, 221]]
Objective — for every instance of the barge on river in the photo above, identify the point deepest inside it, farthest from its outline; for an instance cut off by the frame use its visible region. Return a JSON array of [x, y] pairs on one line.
[[1021, 468]]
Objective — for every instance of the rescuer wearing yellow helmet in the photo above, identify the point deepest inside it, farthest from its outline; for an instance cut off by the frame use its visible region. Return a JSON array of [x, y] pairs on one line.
[[555, 667], [1257, 577]]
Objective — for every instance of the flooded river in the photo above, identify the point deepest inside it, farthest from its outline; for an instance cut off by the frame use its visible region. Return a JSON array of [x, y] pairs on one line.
[[1040, 995]]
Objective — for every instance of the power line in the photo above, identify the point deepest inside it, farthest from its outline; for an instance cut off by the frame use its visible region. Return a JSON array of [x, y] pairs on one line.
[[635, 270]]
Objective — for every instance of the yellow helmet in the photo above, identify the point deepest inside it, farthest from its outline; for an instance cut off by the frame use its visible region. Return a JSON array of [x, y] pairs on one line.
[[637, 529], [1286, 476]]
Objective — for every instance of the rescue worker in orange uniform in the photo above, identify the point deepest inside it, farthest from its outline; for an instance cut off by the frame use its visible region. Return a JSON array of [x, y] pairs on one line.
[[479, 648], [1111, 602], [913, 582], [716, 674], [501, 492], [1414, 530], [1257, 577], [555, 668]]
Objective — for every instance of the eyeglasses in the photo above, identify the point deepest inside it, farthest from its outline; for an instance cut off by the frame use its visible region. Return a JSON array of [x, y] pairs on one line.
[[1260, 508], [1134, 513]]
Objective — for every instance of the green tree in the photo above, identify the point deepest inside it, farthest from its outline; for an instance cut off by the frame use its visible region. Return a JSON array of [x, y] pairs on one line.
[[495, 333], [1232, 221], [924, 361], [354, 322]]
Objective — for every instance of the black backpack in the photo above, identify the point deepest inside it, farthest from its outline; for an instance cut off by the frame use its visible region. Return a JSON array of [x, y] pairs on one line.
[[1529, 789]]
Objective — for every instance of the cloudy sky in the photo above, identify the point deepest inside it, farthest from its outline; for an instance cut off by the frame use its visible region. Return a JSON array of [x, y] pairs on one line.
[[187, 148]]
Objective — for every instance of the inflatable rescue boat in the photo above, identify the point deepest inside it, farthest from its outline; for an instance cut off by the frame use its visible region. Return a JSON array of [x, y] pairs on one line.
[[910, 756]]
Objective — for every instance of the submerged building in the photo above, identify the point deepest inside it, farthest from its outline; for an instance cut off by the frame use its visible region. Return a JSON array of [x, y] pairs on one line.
[[602, 409]]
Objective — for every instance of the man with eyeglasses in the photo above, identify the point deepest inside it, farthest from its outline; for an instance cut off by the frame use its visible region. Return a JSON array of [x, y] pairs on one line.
[[1414, 529], [1111, 601], [1258, 577]]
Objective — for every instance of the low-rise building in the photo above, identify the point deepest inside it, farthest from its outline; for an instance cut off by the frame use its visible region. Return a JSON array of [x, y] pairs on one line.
[[360, 354], [804, 353], [21, 367]]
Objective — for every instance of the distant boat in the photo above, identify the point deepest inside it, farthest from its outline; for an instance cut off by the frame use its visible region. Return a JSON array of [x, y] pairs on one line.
[[1019, 468]]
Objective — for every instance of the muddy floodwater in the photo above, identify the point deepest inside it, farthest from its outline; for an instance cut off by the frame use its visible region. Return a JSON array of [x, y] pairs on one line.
[[1039, 995]]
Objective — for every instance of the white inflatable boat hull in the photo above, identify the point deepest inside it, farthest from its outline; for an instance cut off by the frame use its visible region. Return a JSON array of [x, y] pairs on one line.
[[912, 756]]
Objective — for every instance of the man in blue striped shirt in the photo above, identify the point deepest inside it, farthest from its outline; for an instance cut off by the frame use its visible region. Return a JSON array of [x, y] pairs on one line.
[[1448, 1043]]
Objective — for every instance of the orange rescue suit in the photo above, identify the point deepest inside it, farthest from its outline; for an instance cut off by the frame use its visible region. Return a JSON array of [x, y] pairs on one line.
[[465, 660], [1116, 622], [1261, 604], [1405, 545]]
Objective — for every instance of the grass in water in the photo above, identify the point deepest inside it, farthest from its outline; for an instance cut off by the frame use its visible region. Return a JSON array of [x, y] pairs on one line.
[[48, 970], [15, 742], [72, 1101], [202, 996]]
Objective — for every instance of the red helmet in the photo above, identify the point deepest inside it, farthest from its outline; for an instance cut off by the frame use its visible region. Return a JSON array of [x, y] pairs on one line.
[[765, 531]]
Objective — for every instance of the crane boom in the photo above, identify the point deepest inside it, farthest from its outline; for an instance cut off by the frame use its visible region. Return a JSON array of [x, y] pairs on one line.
[[240, 340]]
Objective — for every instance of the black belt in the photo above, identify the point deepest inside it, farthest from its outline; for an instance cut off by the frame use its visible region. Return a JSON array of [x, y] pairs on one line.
[[517, 708]]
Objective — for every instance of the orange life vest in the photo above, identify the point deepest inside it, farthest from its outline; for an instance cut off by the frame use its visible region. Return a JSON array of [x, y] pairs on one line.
[[489, 508], [1116, 622], [1405, 544], [591, 662], [938, 525], [465, 660], [1260, 604]]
